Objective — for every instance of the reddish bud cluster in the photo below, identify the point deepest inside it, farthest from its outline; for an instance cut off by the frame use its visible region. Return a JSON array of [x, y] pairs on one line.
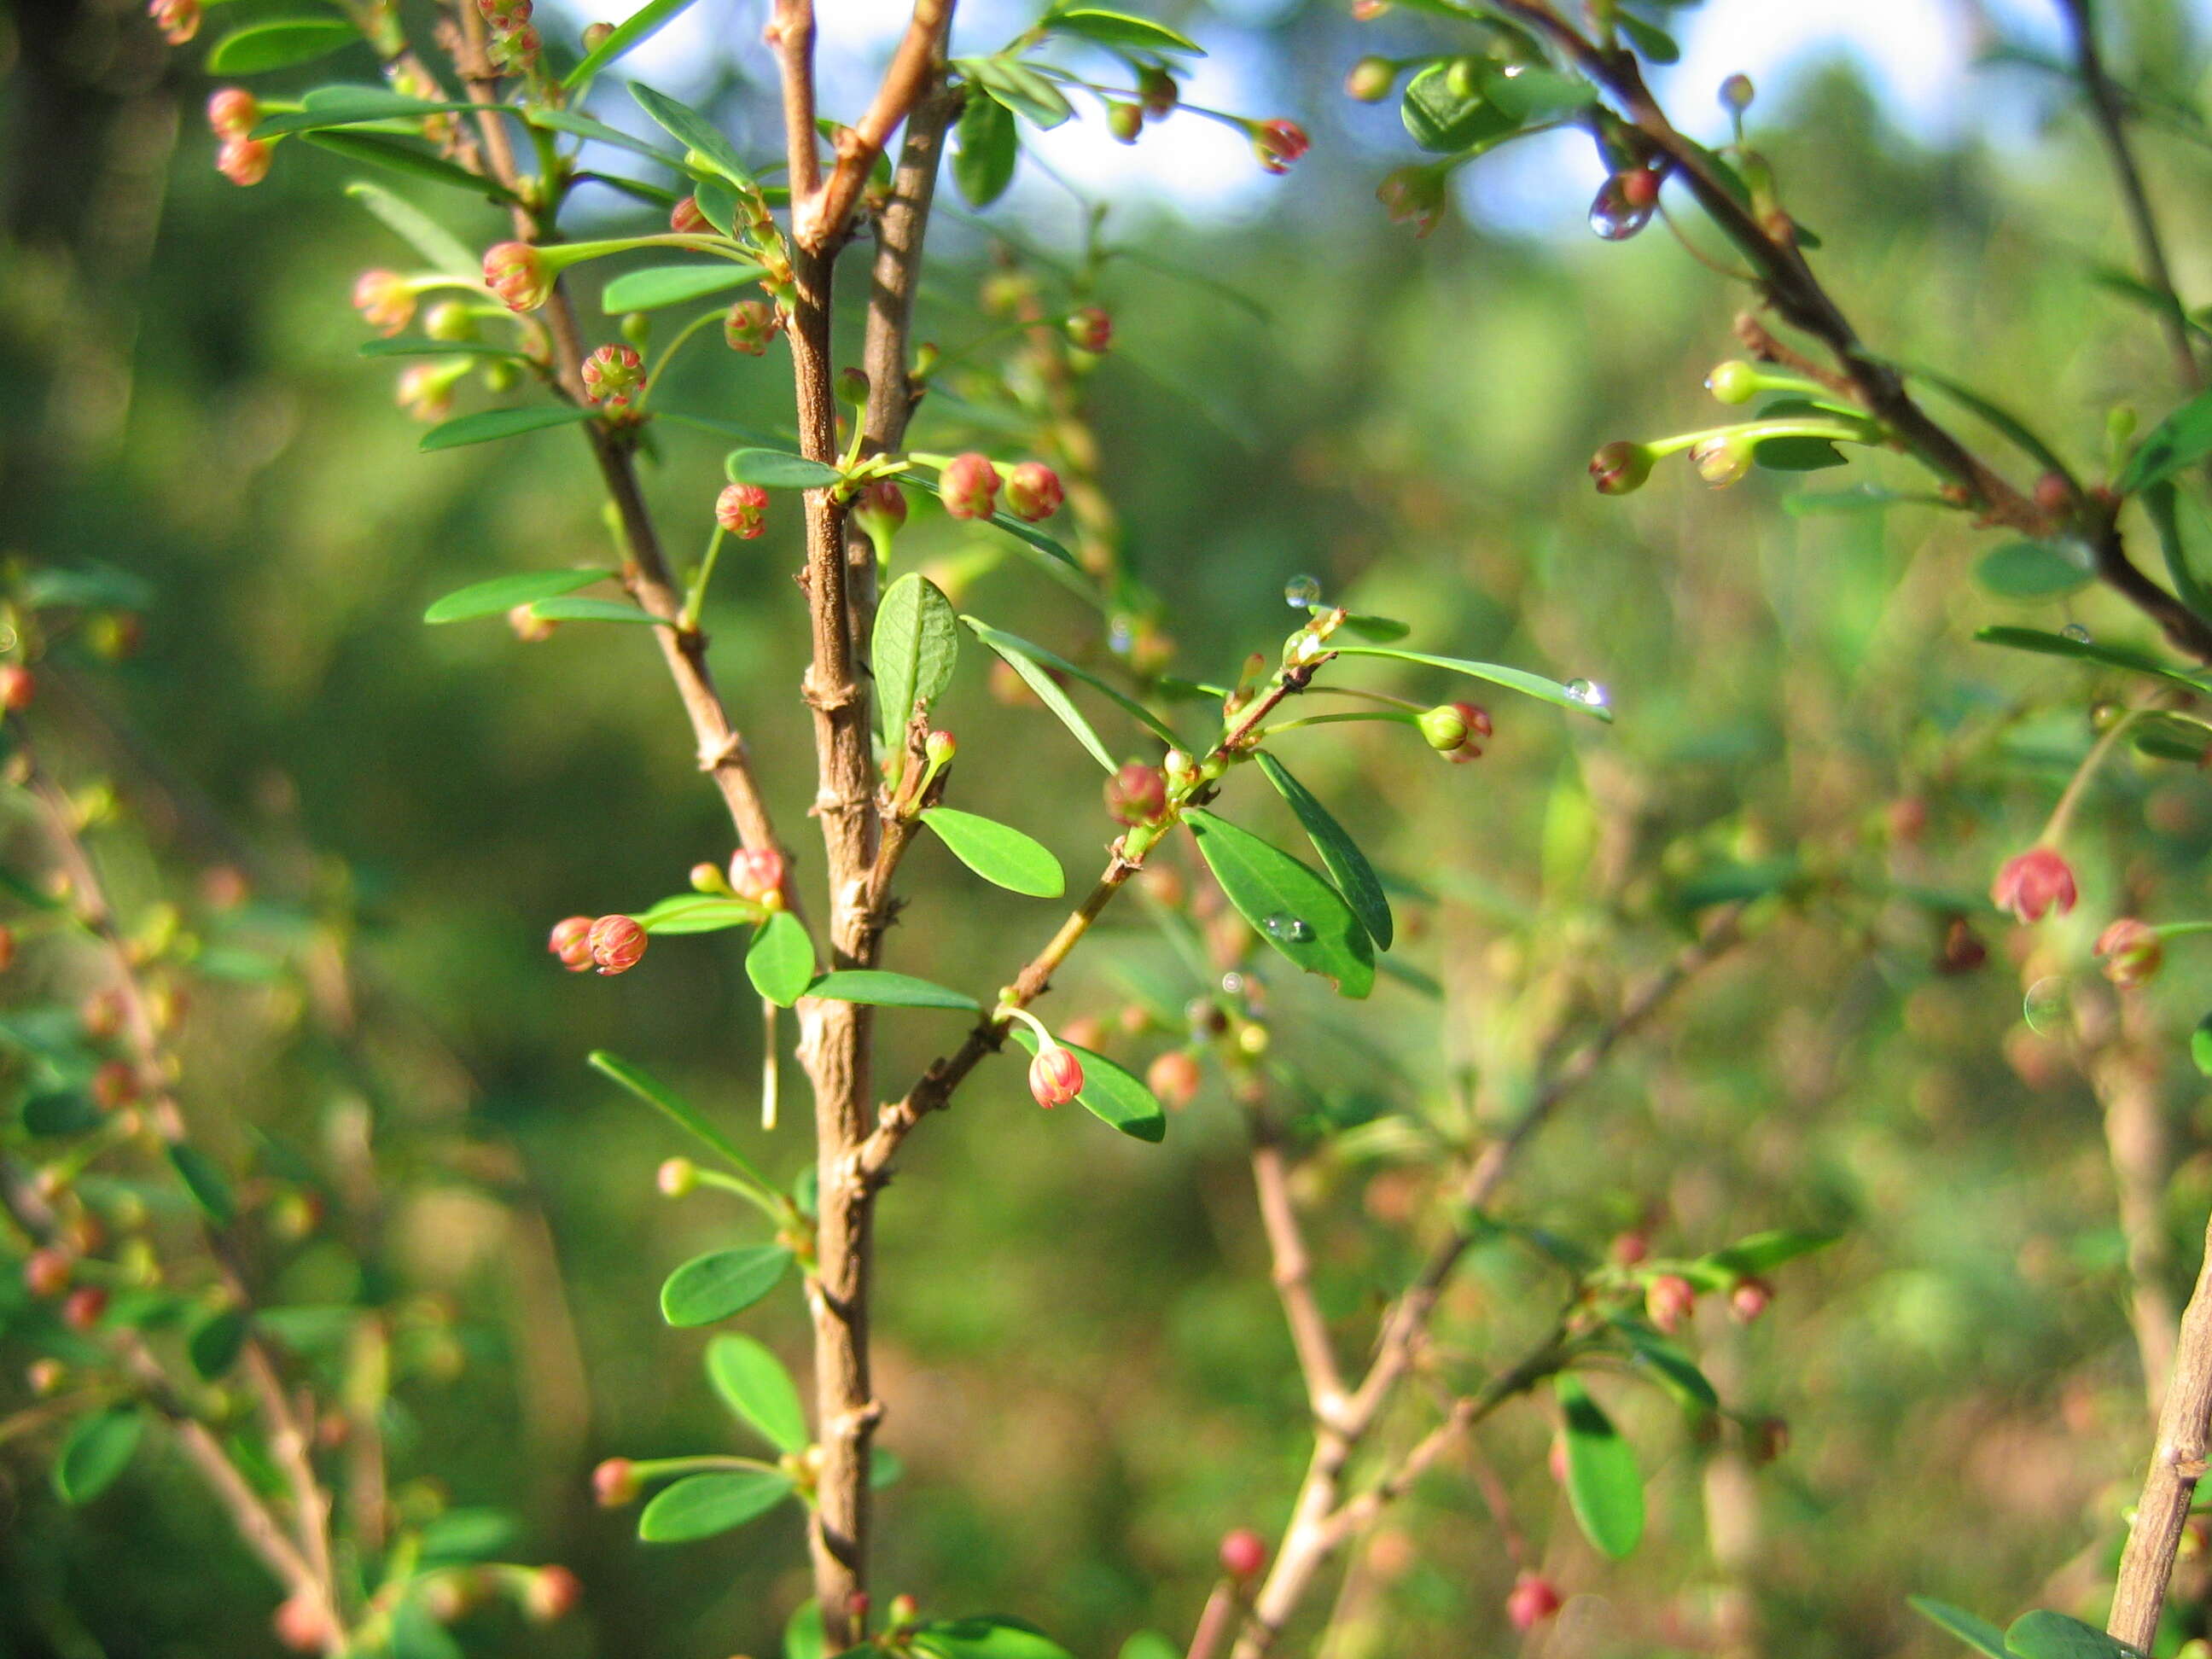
[[386, 302], [232, 113], [1668, 1300], [750, 326], [244, 161], [880, 507], [756, 873], [2034, 884], [1173, 1078], [1055, 1076], [686, 220], [1033, 492], [1278, 143], [1531, 1602], [571, 941], [518, 275], [1091, 329], [612, 376], [178, 20], [740, 509], [1137, 793], [617, 943], [47, 1273], [969, 485], [84, 1307]]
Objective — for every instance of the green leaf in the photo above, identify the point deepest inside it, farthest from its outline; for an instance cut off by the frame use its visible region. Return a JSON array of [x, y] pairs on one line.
[[1669, 1365], [1111, 1093], [1381, 629], [500, 595], [443, 250], [1119, 30], [354, 106], [916, 644], [1446, 112], [990, 147], [634, 30], [586, 126], [210, 1188], [2181, 439], [216, 1341], [1655, 43], [752, 1382], [97, 1450], [279, 43], [698, 913], [2086, 650], [1796, 454], [987, 1637], [700, 136], [62, 1112], [999, 852], [663, 1099], [879, 989], [772, 469], [1517, 679], [1294, 909], [396, 155], [2002, 420], [718, 199], [2045, 1635], [1019, 659], [2200, 1045], [2031, 570], [804, 1637], [420, 347], [703, 1505], [672, 285], [1362, 888], [1149, 1644], [1020, 87], [418, 1633], [473, 1535], [605, 610], [1763, 1252], [490, 425], [1002, 642], [1603, 1488], [721, 1284], [1976, 1634], [780, 962], [2162, 503]]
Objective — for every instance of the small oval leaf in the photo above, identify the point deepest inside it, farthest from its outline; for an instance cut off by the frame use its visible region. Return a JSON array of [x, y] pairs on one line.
[[1294, 909], [780, 960], [501, 595], [701, 1505], [880, 989], [721, 1284], [999, 852], [772, 469], [1604, 1490], [97, 1450], [753, 1383], [490, 425]]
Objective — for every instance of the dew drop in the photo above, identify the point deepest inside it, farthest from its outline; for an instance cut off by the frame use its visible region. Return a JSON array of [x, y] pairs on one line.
[[2047, 1005], [1612, 216], [1302, 592], [1288, 929], [1119, 634], [1232, 985], [1585, 693], [2076, 633]]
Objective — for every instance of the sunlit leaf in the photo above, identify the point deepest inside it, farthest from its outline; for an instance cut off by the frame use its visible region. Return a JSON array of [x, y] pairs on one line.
[[780, 962], [490, 425], [1294, 909], [880, 989], [633, 31], [703, 1505], [999, 852], [753, 1383], [1356, 880], [500, 595], [721, 1284], [1604, 1490]]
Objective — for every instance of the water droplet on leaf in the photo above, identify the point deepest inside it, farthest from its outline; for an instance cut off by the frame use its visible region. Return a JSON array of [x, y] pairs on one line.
[[1302, 592], [2076, 633], [1119, 634], [1288, 929], [1232, 985], [2047, 1005], [1613, 216], [1583, 692]]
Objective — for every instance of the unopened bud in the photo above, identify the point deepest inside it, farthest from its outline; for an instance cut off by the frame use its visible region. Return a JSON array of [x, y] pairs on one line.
[[615, 1483], [1749, 1298], [1371, 79], [750, 324], [597, 35], [571, 941], [969, 486], [386, 302], [45, 1378], [1033, 492], [1156, 89], [1173, 1078], [1137, 793], [1531, 1602], [233, 112], [84, 1307], [1278, 143], [178, 20], [1091, 329], [1736, 92], [518, 275], [1668, 1300], [1450, 727], [686, 220], [449, 320], [2131, 952], [1721, 459], [939, 747], [617, 943], [1055, 1076], [740, 509], [1734, 381], [756, 873], [612, 376], [1125, 122], [244, 161], [1620, 468], [903, 1611], [852, 387], [551, 1594], [47, 1273], [1243, 1553], [529, 627], [677, 1177], [18, 688], [880, 507]]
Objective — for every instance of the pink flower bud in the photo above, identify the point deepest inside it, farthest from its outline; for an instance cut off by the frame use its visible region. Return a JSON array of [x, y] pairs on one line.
[[572, 942], [939, 747], [880, 507], [47, 1273], [2034, 883], [552, 1595], [244, 161], [1055, 1076], [425, 390], [178, 20], [1125, 122], [300, 1623], [1138, 793], [387, 304], [1278, 143], [1629, 1248], [1033, 492], [1091, 329], [19, 687], [1531, 1602], [2132, 951], [756, 873], [740, 509], [686, 220], [114, 1084], [612, 376], [531, 628], [615, 1482], [1243, 1553], [1749, 1298], [1173, 1078], [1413, 196], [969, 485], [233, 112], [750, 326], [84, 1307], [676, 1177], [1668, 1300], [617, 943], [1620, 469], [516, 273]]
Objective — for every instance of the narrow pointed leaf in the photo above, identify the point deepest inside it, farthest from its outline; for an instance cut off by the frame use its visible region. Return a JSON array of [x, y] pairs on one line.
[[2084, 650], [216, 1341], [753, 1383], [1518, 679], [804, 1637], [1976, 1632], [915, 647], [97, 1450], [204, 1179], [772, 469], [671, 285], [999, 852], [634, 30], [1763, 1252], [1604, 1490], [356, 105], [664, 1100], [1294, 909], [490, 425], [988, 1637], [583, 610], [2031, 570], [260, 47], [879, 989], [2046, 1635], [780, 960], [1111, 1093], [501, 595], [443, 250], [1355, 878], [397, 156], [581, 126], [2181, 440], [1668, 1366], [703, 1505], [1002, 642], [1117, 28], [721, 1284], [987, 150], [698, 134], [698, 913], [1048, 690]]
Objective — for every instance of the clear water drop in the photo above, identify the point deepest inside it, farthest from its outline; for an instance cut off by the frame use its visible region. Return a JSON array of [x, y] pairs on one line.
[[1612, 216], [1287, 928], [1583, 692], [1232, 985], [2048, 1005], [1119, 637], [1302, 592], [2076, 633]]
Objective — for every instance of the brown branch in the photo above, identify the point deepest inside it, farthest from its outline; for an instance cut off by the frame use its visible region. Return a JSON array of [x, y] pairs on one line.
[[1293, 1271], [2177, 1464], [818, 217]]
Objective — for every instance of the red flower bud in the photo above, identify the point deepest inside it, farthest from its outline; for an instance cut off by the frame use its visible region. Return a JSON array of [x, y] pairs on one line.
[[517, 275], [115, 1084], [1531, 1602], [243, 161], [1243, 1553], [1620, 468], [1138, 793], [425, 390], [756, 873], [2132, 951], [552, 1595], [970, 485], [617, 943], [233, 112], [880, 507], [2034, 883], [387, 304], [1749, 1298], [1091, 329], [1033, 492], [84, 1307], [1055, 1076], [1157, 87], [615, 1482], [612, 376], [1668, 1300], [739, 509], [1278, 143], [47, 1273], [750, 326], [1629, 1248], [686, 220], [1173, 1078], [178, 20], [300, 1623], [18, 687], [572, 942]]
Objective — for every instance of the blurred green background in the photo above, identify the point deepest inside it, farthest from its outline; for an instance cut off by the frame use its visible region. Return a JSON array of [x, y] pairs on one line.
[[1086, 1377]]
